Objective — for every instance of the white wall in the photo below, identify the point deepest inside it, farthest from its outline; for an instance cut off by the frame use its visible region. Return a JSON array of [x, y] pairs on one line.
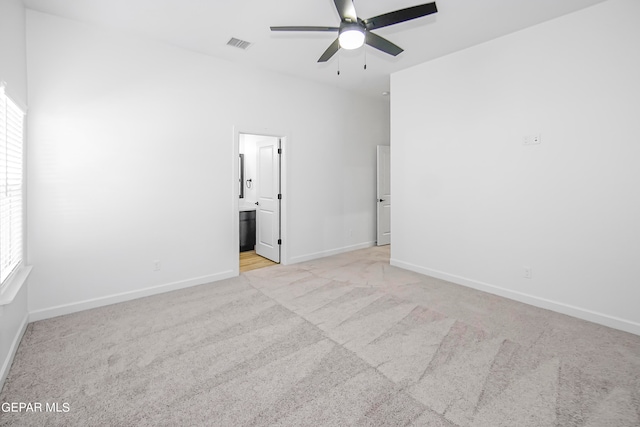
[[13, 65], [131, 160], [473, 205], [13, 71]]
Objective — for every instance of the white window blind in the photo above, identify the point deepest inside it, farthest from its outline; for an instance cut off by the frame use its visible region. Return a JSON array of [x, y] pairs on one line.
[[11, 152]]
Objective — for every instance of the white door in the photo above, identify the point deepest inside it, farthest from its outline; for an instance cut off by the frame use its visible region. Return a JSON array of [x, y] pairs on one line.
[[268, 209], [384, 195]]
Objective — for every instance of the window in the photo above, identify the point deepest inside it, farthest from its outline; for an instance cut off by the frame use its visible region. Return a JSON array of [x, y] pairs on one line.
[[11, 151]]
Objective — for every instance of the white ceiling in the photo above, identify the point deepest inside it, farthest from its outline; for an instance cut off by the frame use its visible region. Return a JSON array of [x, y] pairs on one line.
[[205, 26]]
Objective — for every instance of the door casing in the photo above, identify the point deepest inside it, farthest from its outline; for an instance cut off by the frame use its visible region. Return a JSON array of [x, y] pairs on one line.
[[383, 193]]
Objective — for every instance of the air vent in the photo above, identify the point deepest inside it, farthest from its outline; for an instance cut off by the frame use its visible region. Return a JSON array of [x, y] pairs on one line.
[[240, 44]]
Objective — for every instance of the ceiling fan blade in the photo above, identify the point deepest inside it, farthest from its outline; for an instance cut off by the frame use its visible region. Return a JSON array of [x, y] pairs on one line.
[[302, 28], [346, 10], [331, 50], [400, 16], [382, 44]]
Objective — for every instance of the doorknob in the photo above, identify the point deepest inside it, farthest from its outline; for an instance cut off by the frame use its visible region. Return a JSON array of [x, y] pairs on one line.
[[381, 200], [257, 204]]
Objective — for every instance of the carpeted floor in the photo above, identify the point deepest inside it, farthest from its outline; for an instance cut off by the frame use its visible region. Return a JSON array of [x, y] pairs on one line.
[[344, 340]]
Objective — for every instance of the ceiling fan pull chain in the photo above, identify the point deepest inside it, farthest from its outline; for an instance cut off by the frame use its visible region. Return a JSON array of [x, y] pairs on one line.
[[365, 58], [338, 64]]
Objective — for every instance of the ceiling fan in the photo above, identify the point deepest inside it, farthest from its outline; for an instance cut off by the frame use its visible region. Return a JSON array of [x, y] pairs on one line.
[[353, 32]]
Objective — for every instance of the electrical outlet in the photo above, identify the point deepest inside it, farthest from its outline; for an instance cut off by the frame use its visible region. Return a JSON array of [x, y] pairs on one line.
[[156, 265], [527, 273]]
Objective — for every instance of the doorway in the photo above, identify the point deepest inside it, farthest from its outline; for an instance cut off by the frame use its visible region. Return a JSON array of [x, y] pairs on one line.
[[258, 192]]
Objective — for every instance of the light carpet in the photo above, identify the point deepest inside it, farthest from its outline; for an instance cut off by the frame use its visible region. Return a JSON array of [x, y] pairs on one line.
[[339, 341]]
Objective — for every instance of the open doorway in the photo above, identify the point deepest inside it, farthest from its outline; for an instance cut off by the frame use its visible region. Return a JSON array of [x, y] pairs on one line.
[[259, 194]]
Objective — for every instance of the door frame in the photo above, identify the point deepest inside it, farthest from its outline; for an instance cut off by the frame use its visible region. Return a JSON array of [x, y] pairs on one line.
[[380, 203], [285, 146]]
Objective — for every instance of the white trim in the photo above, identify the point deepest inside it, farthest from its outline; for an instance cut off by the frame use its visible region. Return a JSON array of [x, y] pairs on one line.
[[126, 296], [12, 287], [570, 310], [235, 215], [330, 252], [6, 366]]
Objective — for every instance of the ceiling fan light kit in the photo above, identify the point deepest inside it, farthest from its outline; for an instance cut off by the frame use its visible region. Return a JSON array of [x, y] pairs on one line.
[[351, 36], [353, 32]]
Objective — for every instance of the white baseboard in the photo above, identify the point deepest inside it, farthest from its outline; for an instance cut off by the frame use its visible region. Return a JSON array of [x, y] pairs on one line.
[[61, 310], [322, 254], [570, 310], [6, 365]]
